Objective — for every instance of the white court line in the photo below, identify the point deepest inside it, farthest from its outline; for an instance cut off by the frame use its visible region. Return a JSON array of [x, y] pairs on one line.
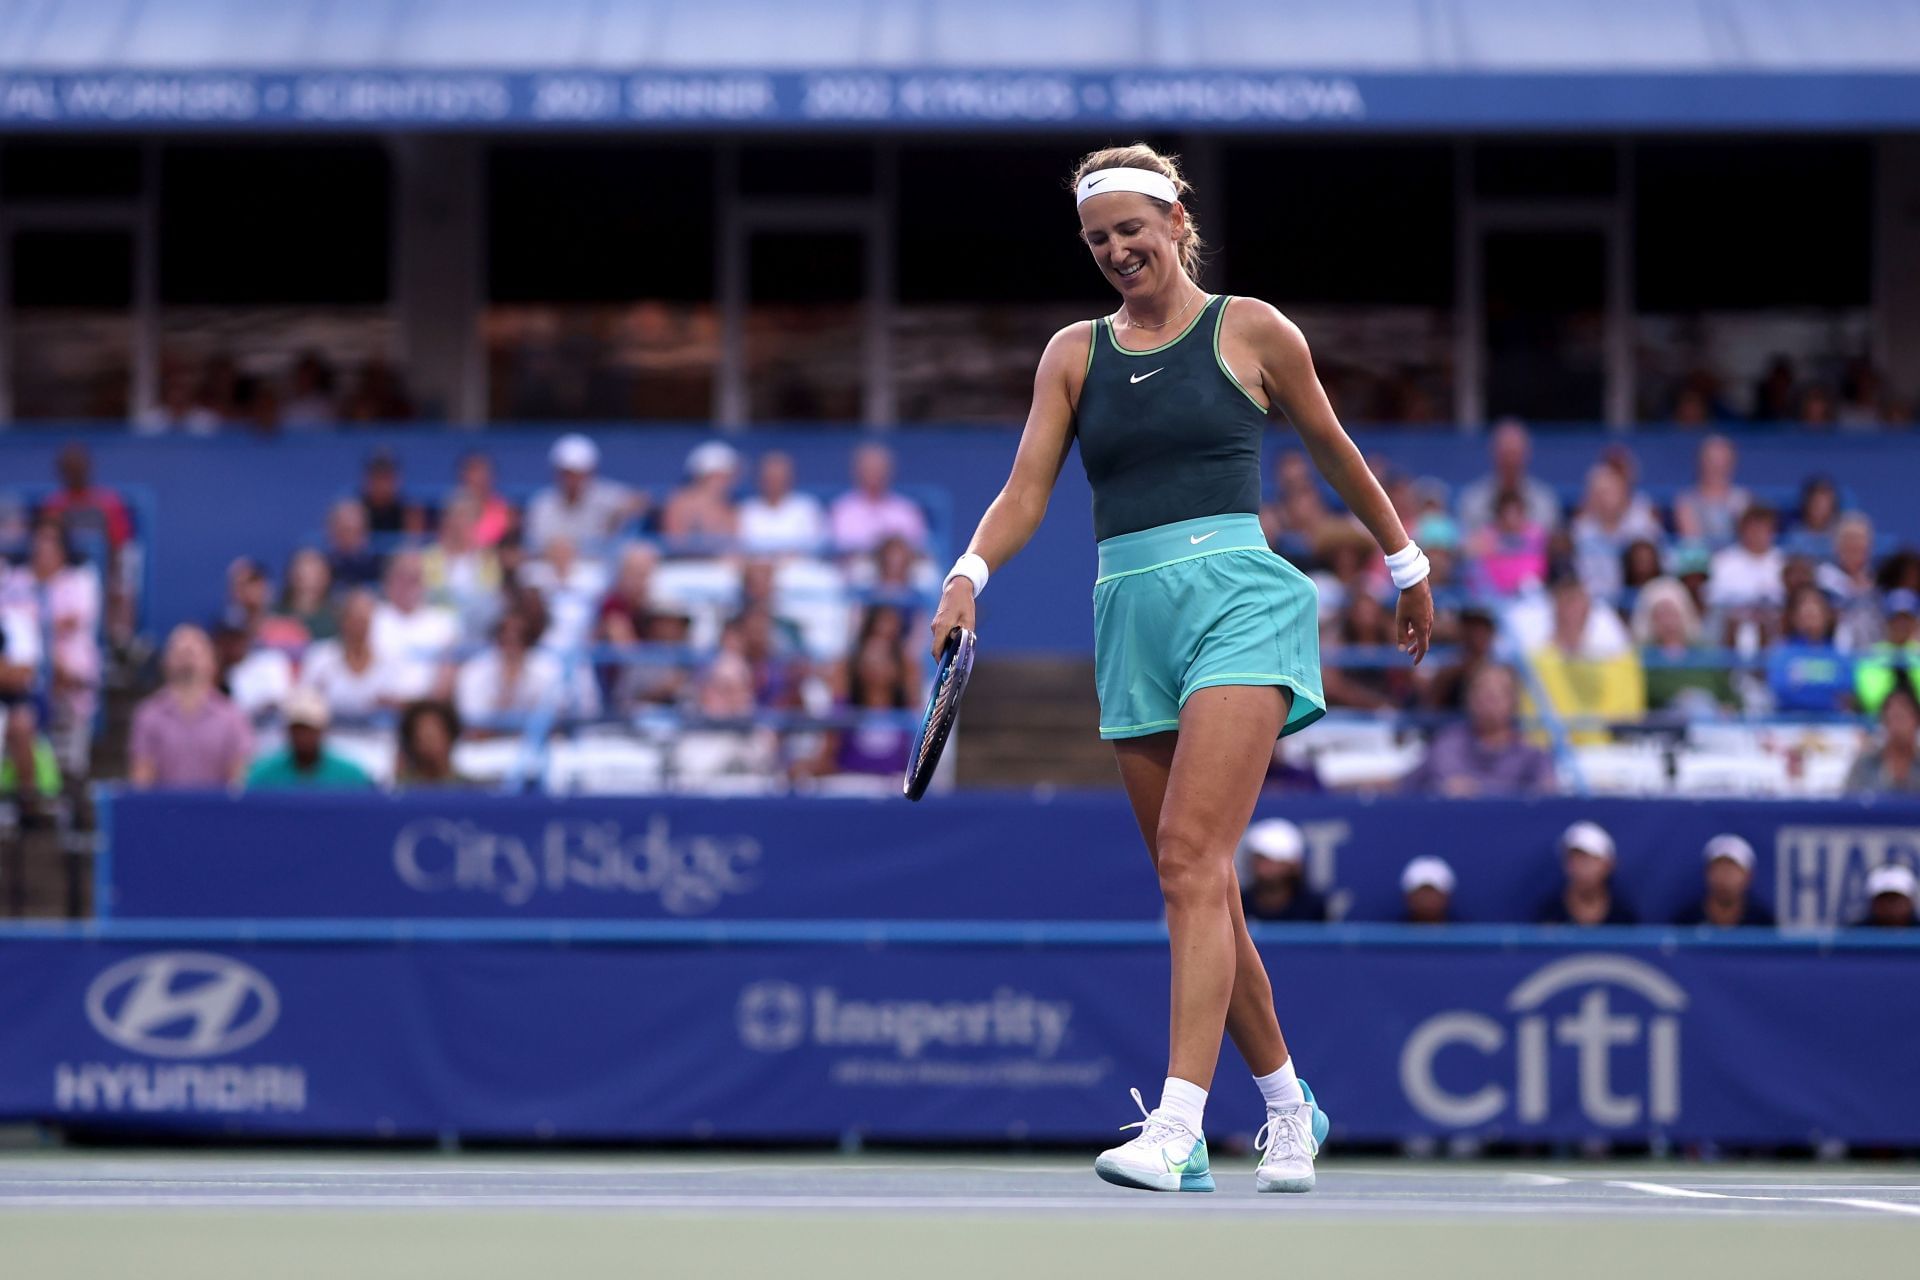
[[1911, 1188], [1688, 1193], [1887, 1206], [1684, 1193]]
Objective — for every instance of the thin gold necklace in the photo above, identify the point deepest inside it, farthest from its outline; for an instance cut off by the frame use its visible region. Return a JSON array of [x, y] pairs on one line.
[[1135, 324]]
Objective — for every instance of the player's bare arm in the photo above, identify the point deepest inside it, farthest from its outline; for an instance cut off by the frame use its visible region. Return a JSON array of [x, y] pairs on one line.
[[1021, 504], [1285, 366]]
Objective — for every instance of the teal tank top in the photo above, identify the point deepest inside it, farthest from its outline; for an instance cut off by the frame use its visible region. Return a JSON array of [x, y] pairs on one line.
[[1167, 434]]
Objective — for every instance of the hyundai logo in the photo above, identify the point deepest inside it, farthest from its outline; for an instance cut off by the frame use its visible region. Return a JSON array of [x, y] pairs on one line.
[[182, 1004]]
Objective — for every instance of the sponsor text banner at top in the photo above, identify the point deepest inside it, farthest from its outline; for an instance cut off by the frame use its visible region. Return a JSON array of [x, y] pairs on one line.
[[943, 98]]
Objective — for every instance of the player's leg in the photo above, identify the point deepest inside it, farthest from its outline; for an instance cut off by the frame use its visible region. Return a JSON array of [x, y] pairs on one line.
[[1219, 762], [1219, 759], [1145, 764], [1294, 1126]]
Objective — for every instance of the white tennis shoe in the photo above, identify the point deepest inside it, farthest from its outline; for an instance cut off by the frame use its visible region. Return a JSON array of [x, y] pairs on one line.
[[1288, 1142], [1167, 1156]]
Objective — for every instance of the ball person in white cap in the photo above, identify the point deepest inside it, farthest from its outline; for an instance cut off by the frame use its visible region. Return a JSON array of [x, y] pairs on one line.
[[1426, 887], [1727, 902], [1587, 897], [1206, 643], [1890, 894], [1275, 855]]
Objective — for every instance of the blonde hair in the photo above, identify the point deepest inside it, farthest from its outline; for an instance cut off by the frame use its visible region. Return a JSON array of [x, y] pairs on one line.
[[1650, 597], [1141, 156]]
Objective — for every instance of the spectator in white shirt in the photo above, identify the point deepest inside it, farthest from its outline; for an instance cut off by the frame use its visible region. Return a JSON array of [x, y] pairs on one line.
[[1746, 575], [511, 679], [778, 521], [256, 680], [1512, 450], [871, 512], [356, 679], [571, 588], [63, 598], [415, 635], [579, 505]]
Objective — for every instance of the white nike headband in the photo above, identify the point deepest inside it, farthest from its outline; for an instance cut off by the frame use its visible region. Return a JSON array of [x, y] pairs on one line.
[[1145, 181]]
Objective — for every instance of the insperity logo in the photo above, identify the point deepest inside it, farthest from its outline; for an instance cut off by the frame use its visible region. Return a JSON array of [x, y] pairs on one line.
[[774, 1017], [182, 1004]]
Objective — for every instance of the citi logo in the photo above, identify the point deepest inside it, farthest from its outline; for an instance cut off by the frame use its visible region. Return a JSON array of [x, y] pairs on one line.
[[182, 1004], [1592, 1031]]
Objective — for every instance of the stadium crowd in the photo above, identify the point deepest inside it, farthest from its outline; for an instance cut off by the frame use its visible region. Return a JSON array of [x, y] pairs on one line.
[[424, 634], [1623, 609], [737, 630]]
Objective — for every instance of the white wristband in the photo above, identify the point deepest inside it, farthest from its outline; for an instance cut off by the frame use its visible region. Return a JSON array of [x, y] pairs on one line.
[[1408, 566], [972, 568]]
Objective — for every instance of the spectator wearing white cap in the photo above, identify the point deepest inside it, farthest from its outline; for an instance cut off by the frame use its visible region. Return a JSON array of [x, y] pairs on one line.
[[701, 511], [580, 504], [1587, 898], [305, 761], [871, 511], [1426, 886], [1728, 900], [1274, 853], [1890, 895], [777, 520]]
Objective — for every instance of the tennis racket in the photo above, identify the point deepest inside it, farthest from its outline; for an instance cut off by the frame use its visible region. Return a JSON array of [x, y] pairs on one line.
[[943, 707]]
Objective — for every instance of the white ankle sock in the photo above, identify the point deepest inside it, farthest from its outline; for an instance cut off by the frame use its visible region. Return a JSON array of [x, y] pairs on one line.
[[1281, 1088], [1184, 1101]]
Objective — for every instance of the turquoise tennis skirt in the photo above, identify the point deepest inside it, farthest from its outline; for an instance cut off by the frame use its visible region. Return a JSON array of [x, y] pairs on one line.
[[1186, 606]]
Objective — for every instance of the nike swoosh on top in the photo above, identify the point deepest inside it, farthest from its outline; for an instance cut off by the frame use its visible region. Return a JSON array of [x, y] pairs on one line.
[[1096, 182], [1142, 377], [1197, 539]]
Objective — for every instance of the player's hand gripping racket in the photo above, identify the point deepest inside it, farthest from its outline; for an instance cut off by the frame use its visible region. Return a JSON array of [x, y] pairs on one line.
[[943, 707]]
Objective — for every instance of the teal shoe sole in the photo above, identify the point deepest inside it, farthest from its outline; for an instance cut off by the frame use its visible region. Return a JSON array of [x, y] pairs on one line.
[[1120, 1177]]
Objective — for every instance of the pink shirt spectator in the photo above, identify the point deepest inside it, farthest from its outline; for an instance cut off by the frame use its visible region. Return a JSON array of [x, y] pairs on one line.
[[493, 522], [205, 747], [1511, 562], [860, 523]]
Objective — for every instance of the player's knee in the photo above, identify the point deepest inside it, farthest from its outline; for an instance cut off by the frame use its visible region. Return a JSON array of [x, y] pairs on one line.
[[1192, 870]]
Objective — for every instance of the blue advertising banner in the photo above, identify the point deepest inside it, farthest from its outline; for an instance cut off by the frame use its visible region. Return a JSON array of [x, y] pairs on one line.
[[1775, 1044], [934, 98], [977, 856]]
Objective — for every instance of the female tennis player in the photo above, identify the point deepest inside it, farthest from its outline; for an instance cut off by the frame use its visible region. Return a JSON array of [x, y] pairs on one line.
[[1205, 642]]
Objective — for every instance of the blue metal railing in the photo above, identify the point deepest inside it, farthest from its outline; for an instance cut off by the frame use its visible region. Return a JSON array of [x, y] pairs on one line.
[[947, 933]]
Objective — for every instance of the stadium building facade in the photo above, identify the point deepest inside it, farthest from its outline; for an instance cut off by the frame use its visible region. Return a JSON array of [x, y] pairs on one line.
[[673, 212]]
